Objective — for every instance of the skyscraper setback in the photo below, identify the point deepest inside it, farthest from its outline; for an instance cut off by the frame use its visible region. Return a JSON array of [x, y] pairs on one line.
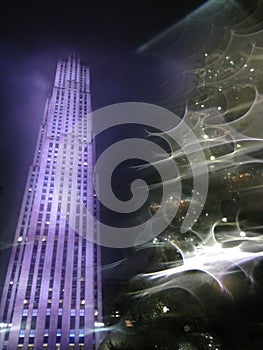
[[52, 293]]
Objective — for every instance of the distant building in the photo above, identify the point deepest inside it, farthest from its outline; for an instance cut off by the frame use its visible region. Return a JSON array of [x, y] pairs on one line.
[[52, 293]]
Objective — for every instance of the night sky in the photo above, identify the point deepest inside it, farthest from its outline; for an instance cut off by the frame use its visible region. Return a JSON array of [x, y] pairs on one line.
[[106, 35]]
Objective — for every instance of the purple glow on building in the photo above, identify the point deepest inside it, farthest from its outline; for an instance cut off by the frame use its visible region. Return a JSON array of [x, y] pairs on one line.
[[52, 293]]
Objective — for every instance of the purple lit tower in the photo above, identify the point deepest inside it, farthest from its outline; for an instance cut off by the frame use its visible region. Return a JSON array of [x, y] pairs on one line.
[[52, 293]]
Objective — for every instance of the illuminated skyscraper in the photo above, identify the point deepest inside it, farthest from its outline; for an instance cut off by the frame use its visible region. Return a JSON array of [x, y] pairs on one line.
[[52, 293]]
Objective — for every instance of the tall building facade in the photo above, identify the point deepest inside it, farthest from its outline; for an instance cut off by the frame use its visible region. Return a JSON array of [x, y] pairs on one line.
[[52, 293]]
